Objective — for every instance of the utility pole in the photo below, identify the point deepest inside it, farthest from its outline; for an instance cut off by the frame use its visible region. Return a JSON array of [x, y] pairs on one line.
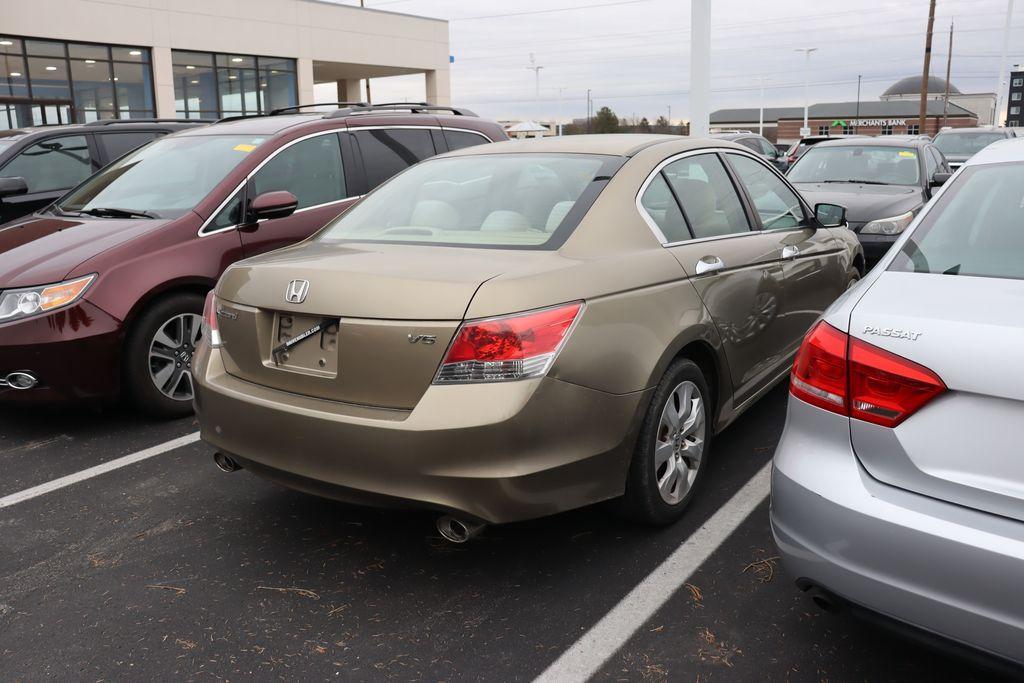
[[1002, 65], [807, 69], [949, 67], [856, 126], [927, 66], [537, 74], [700, 67]]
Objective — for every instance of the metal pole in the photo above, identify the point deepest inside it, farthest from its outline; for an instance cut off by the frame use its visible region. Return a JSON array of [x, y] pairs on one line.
[[670, 117], [558, 126], [856, 126], [949, 67], [760, 113], [588, 110], [1002, 64], [700, 67], [927, 65], [807, 75]]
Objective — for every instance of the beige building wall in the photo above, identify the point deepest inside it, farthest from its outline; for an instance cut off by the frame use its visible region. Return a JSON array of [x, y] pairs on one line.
[[331, 42]]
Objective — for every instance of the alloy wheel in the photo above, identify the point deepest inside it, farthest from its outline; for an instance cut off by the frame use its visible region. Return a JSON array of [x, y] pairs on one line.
[[170, 355], [679, 444]]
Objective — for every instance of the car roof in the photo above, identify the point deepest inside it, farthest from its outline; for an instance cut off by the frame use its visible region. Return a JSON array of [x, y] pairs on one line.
[[614, 144], [114, 124], [1001, 151], [979, 129], [874, 142], [319, 120]]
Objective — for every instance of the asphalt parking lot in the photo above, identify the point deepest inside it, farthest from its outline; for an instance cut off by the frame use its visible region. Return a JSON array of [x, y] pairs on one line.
[[168, 568]]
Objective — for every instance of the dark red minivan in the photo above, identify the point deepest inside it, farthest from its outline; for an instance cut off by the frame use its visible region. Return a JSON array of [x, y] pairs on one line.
[[101, 294]]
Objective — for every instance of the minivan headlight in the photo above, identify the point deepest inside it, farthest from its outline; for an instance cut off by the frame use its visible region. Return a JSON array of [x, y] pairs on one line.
[[22, 303], [888, 226]]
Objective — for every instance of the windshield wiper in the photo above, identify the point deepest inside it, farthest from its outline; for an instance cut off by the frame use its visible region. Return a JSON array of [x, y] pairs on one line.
[[862, 182], [111, 212]]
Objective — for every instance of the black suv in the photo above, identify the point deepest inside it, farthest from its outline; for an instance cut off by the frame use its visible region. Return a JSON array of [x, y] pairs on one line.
[[38, 165]]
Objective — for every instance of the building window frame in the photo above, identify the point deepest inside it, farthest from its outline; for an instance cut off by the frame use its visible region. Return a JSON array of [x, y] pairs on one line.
[[886, 130], [913, 129], [224, 71]]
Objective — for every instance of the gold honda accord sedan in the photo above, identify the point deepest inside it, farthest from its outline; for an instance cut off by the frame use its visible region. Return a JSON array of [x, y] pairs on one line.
[[517, 329]]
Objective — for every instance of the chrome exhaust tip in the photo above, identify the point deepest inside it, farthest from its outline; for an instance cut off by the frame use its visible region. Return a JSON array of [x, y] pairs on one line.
[[225, 462], [458, 530], [20, 380]]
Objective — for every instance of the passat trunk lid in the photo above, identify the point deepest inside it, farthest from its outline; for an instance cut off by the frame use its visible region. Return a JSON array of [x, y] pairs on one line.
[[385, 313], [964, 446]]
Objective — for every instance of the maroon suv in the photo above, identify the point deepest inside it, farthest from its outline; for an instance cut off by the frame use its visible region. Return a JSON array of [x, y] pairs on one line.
[[102, 293]]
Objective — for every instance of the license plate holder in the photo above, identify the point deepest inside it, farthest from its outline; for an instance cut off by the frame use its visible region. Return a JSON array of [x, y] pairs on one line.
[[315, 352]]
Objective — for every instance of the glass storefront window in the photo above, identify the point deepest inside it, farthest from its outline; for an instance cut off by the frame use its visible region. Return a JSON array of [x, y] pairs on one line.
[[48, 81], [216, 85]]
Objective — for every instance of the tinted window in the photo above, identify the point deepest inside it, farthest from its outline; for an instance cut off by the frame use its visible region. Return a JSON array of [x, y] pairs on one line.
[[930, 164], [54, 164], [311, 170], [229, 216], [458, 140], [710, 203], [776, 204], [116, 145], [663, 209], [167, 178], [977, 228], [387, 152], [496, 200], [751, 143], [882, 165]]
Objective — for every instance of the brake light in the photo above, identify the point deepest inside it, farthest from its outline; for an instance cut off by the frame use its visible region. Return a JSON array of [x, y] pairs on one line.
[[211, 331], [853, 378], [511, 347]]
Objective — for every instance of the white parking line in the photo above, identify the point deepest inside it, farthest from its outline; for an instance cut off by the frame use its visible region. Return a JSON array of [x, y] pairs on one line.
[[36, 491], [588, 654]]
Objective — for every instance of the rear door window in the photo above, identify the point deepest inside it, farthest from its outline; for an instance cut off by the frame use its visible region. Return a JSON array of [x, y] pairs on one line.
[[709, 200], [663, 209], [977, 227], [458, 139], [116, 145], [53, 164], [311, 170], [388, 151]]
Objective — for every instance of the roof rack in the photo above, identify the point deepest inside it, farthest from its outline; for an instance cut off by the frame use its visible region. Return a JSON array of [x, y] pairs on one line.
[[411, 107], [110, 122], [297, 107]]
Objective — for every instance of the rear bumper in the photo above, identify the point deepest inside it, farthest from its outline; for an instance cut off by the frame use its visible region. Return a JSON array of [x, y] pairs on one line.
[[945, 569], [496, 452], [74, 353]]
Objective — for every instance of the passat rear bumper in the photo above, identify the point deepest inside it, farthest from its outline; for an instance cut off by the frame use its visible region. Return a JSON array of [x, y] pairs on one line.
[[953, 572], [498, 452]]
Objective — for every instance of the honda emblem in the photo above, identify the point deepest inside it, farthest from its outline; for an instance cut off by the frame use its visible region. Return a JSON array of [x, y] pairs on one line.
[[297, 291]]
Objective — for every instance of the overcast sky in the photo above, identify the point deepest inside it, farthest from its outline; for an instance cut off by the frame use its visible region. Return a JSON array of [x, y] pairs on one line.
[[634, 54]]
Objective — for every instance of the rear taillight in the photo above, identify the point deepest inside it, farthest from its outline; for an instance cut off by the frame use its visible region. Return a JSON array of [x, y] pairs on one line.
[[851, 377], [511, 347], [211, 332]]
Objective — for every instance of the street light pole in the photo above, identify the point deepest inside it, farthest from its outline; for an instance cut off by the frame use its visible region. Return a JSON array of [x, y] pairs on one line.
[[856, 126], [807, 68], [760, 112], [1002, 63], [700, 67]]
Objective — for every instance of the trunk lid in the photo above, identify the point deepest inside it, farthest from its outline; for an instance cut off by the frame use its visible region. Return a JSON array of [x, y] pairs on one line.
[[963, 446], [387, 314]]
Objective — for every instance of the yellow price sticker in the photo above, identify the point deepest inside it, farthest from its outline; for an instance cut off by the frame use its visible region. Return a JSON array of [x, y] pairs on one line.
[[244, 148], [909, 155]]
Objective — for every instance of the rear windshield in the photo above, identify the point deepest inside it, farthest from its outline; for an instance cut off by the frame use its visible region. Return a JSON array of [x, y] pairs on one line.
[[486, 200], [875, 165], [976, 228], [165, 178], [965, 144]]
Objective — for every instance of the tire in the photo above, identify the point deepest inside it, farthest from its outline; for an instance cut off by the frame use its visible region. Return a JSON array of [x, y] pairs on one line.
[[852, 277], [159, 348], [644, 500]]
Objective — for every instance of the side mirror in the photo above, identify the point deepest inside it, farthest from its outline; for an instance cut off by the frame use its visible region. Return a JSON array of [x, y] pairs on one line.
[[270, 205], [939, 178], [830, 215], [10, 187]]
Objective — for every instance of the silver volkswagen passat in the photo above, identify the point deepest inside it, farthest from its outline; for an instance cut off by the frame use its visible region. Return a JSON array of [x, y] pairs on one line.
[[898, 484]]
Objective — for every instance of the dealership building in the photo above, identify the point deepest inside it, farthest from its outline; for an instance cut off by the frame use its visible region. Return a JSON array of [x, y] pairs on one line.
[[70, 60], [896, 112]]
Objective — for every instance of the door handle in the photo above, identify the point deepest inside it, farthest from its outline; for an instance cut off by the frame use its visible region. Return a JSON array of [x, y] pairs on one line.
[[790, 252], [708, 264]]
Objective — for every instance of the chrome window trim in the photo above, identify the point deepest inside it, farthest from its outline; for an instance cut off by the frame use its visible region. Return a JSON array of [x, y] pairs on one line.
[[334, 131], [660, 236]]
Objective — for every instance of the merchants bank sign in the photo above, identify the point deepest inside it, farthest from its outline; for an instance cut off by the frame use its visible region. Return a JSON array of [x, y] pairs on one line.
[[869, 122]]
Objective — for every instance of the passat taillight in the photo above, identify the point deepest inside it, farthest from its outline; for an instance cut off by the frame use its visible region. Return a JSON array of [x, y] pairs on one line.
[[511, 347], [211, 331], [851, 377]]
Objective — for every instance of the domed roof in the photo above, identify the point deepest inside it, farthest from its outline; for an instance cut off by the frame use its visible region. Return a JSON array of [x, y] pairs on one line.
[[911, 85]]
